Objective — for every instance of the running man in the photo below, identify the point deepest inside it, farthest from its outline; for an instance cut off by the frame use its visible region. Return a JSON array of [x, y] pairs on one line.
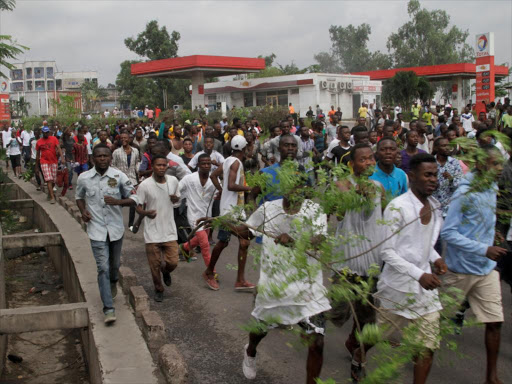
[[407, 288], [199, 191], [304, 301], [231, 202], [100, 195], [469, 233], [156, 196]]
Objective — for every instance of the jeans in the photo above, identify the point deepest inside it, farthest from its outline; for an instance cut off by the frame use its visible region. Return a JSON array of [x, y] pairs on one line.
[[71, 168], [108, 259]]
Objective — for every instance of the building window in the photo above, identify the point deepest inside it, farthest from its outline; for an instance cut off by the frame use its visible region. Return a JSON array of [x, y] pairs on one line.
[[273, 98], [49, 72], [17, 74], [294, 91], [50, 85], [87, 80], [29, 85], [39, 73], [29, 73], [17, 87], [212, 100], [248, 99], [39, 85], [95, 81], [59, 84]]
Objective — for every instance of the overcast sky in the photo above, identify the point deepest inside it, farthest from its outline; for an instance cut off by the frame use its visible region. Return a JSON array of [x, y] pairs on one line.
[[89, 35]]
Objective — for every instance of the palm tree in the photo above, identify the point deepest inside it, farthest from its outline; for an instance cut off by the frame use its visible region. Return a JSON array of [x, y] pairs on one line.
[[23, 106], [9, 48], [7, 5]]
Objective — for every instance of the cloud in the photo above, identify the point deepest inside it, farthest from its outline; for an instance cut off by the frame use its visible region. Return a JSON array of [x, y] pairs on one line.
[[89, 35]]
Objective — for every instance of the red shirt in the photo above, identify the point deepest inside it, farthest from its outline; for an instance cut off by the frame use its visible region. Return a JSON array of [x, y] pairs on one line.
[[157, 112], [80, 153], [47, 148]]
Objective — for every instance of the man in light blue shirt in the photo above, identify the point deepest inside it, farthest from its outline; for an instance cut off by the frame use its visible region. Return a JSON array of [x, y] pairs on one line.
[[469, 231], [393, 179], [100, 195]]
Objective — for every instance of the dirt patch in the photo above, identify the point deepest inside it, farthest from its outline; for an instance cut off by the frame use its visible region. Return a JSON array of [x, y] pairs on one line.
[[48, 356]]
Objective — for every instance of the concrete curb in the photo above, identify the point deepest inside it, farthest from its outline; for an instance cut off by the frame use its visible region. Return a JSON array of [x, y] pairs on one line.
[[172, 364], [153, 330], [127, 279], [139, 300]]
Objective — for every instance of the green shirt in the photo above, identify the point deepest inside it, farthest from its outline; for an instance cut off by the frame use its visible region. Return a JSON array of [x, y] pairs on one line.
[[507, 120], [416, 112]]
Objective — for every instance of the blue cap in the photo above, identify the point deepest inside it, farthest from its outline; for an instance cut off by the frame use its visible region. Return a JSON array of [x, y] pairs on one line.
[[46, 129]]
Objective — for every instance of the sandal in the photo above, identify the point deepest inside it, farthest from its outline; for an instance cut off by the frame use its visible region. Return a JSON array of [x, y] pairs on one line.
[[357, 371]]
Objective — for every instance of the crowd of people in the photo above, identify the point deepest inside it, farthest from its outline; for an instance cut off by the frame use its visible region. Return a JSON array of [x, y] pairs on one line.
[[429, 219]]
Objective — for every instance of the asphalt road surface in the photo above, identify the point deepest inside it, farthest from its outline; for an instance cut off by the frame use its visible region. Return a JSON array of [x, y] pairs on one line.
[[207, 327]]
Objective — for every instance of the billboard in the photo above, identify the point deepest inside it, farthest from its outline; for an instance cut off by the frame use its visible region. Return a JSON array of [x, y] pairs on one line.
[[484, 44], [5, 110]]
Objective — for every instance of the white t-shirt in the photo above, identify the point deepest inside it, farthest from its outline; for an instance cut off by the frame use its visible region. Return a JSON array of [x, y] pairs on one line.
[[25, 138], [199, 197], [301, 298], [88, 136], [162, 228], [14, 148], [467, 121], [106, 114], [214, 156], [33, 152], [6, 137], [230, 199]]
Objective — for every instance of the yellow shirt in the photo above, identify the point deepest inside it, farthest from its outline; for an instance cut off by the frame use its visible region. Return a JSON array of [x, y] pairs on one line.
[[226, 135], [363, 111]]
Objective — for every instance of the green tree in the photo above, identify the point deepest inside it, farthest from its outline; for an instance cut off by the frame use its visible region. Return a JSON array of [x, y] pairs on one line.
[[349, 51], [137, 91], [92, 94], [9, 48], [155, 43], [428, 39], [404, 87]]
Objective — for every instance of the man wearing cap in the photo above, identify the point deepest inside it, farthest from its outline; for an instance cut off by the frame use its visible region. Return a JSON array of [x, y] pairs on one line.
[[231, 203], [48, 149]]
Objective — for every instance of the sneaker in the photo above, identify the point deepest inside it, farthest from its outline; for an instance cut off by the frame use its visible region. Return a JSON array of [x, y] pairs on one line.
[[185, 253], [244, 286], [70, 188], [54, 189], [130, 228], [110, 317], [249, 365], [113, 289], [167, 278], [159, 296], [53, 201], [210, 282], [135, 228], [38, 188]]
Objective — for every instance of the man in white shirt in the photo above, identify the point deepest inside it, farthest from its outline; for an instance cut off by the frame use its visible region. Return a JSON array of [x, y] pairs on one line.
[[216, 158], [303, 301], [359, 232], [158, 193], [25, 137], [106, 114], [467, 120], [199, 191], [6, 139], [398, 109], [231, 203], [407, 288]]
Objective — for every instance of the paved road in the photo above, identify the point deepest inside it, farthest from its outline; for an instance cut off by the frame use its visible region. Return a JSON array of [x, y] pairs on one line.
[[206, 325]]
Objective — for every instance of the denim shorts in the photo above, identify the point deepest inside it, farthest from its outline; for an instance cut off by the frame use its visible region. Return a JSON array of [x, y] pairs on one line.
[[224, 235]]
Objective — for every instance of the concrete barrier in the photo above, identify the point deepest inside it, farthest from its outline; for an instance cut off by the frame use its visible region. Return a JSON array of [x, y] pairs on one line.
[[172, 364], [114, 354], [153, 329], [139, 300], [127, 279]]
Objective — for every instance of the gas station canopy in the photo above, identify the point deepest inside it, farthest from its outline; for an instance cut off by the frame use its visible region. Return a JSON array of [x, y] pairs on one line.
[[187, 66], [436, 72]]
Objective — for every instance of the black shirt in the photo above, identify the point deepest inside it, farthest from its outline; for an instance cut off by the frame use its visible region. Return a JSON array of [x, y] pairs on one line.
[[341, 154]]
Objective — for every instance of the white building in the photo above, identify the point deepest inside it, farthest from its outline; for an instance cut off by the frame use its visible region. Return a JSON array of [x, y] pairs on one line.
[[303, 91], [40, 81]]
